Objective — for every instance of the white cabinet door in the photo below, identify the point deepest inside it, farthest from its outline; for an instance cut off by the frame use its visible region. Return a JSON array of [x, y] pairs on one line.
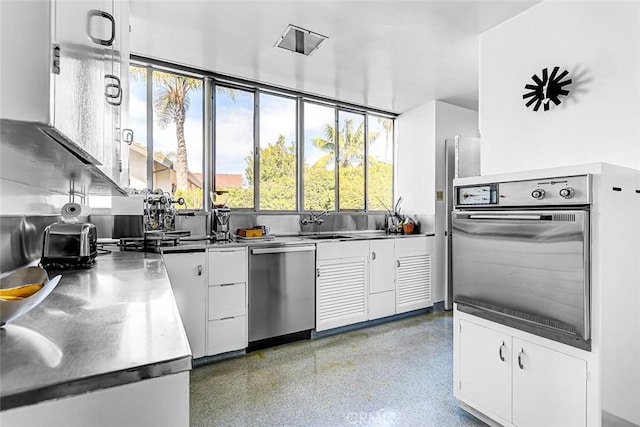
[[413, 273], [382, 266], [83, 29], [341, 292], [549, 387], [187, 274], [484, 361]]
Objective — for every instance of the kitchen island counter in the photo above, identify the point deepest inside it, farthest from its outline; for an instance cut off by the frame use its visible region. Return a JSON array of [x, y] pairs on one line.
[[114, 324]]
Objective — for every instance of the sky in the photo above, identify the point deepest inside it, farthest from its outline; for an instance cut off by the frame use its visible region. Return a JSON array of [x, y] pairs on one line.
[[234, 122]]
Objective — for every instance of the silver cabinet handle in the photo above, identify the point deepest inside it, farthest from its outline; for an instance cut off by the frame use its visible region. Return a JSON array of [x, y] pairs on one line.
[[127, 136], [108, 17], [373, 255], [317, 272], [500, 351], [398, 262], [228, 318], [113, 91], [227, 284], [199, 270], [520, 358]]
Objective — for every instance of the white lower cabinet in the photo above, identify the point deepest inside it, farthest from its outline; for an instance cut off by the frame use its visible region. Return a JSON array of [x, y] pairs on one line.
[[485, 368], [226, 334], [341, 284], [549, 387], [382, 278], [518, 382], [188, 276], [210, 288], [227, 326], [413, 273]]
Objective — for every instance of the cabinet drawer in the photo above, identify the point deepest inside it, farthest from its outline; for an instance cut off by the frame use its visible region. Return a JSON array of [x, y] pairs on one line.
[[227, 266], [382, 304], [226, 334], [414, 244], [227, 300]]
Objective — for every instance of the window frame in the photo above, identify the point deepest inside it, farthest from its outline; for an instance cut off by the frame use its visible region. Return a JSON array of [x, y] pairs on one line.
[[212, 80]]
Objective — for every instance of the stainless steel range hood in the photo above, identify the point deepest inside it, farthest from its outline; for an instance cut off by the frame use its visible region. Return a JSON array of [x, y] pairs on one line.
[[38, 155]]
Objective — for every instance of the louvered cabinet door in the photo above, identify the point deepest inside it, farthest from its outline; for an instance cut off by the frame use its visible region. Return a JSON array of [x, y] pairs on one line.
[[413, 281], [341, 292]]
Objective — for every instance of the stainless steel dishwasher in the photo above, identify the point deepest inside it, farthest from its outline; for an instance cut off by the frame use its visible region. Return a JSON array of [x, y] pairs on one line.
[[281, 294]]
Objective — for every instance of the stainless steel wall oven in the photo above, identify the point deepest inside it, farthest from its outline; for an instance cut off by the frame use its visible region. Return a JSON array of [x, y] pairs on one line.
[[521, 255]]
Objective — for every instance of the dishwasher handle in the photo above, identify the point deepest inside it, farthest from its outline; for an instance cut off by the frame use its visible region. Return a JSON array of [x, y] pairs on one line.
[[279, 250]]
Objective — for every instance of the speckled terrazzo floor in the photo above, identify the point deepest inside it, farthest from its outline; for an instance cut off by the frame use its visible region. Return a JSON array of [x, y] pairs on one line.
[[394, 374]]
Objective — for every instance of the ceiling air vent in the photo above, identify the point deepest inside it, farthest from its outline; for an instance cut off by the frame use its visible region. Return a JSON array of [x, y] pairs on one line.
[[299, 40]]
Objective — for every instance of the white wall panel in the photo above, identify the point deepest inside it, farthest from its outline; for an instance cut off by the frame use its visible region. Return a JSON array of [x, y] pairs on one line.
[[599, 44]]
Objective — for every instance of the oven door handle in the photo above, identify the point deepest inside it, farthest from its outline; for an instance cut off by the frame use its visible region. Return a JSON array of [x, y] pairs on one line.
[[511, 217]]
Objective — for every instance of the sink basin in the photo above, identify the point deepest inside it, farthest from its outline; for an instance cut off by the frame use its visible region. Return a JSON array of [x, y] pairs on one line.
[[326, 236]]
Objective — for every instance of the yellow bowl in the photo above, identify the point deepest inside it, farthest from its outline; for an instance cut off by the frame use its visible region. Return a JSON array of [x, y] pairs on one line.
[[11, 309]]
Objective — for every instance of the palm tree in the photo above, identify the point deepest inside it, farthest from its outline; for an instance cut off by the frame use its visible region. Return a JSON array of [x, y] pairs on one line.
[[387, 124], [170, 103], [350, 144]]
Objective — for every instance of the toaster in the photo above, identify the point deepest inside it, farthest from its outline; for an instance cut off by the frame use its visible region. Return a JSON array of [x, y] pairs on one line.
[[69, 245]]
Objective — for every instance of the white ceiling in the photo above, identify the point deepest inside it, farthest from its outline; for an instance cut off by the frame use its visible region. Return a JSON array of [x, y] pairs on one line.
[[390, 55]]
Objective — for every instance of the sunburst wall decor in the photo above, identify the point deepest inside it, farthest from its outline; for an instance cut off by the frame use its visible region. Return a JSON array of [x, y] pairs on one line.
[[546, 89]]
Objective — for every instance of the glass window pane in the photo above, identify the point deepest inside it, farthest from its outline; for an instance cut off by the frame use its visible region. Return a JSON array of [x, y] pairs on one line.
[[380, 161], [234, 145], [277, 153], [319, 157], [351, 160], [177, 137], [138, 123]]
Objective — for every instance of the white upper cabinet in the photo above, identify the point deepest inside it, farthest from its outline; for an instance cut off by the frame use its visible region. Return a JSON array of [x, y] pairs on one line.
[[61, 68]]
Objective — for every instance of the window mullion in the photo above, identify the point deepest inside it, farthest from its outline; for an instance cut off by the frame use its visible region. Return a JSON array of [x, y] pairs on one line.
[[208, 167], [336, 155], [149, 127], [299, 155], [256, 150], [366, 162]]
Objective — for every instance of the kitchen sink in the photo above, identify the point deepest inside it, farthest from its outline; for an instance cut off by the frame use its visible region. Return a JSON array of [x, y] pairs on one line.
[[326, 236]]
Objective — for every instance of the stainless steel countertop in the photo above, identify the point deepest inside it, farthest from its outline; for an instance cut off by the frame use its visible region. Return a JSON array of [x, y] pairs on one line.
[[187, 245], [113, 324]]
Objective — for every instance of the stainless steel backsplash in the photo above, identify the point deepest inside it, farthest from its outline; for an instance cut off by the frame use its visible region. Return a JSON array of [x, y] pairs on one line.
[[21, 239]]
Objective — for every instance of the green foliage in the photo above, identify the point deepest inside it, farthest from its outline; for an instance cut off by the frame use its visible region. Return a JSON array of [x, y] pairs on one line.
[[319, 188], [278, 182], [240, 197], [192, 198]]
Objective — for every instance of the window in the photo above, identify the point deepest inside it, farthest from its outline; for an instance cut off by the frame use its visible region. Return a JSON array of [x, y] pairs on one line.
[[351, 143], [138, 124], [380, 162], [177, 134], [278, 159], [319, 157], [342, 162], [234, 162]]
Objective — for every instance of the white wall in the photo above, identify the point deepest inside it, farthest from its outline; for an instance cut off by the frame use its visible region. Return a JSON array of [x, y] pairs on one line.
[[598, 42], [421, 133], [415, 162]]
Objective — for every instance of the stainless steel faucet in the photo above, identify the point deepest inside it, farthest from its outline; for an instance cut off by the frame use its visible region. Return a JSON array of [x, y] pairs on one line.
[[314, 218]]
